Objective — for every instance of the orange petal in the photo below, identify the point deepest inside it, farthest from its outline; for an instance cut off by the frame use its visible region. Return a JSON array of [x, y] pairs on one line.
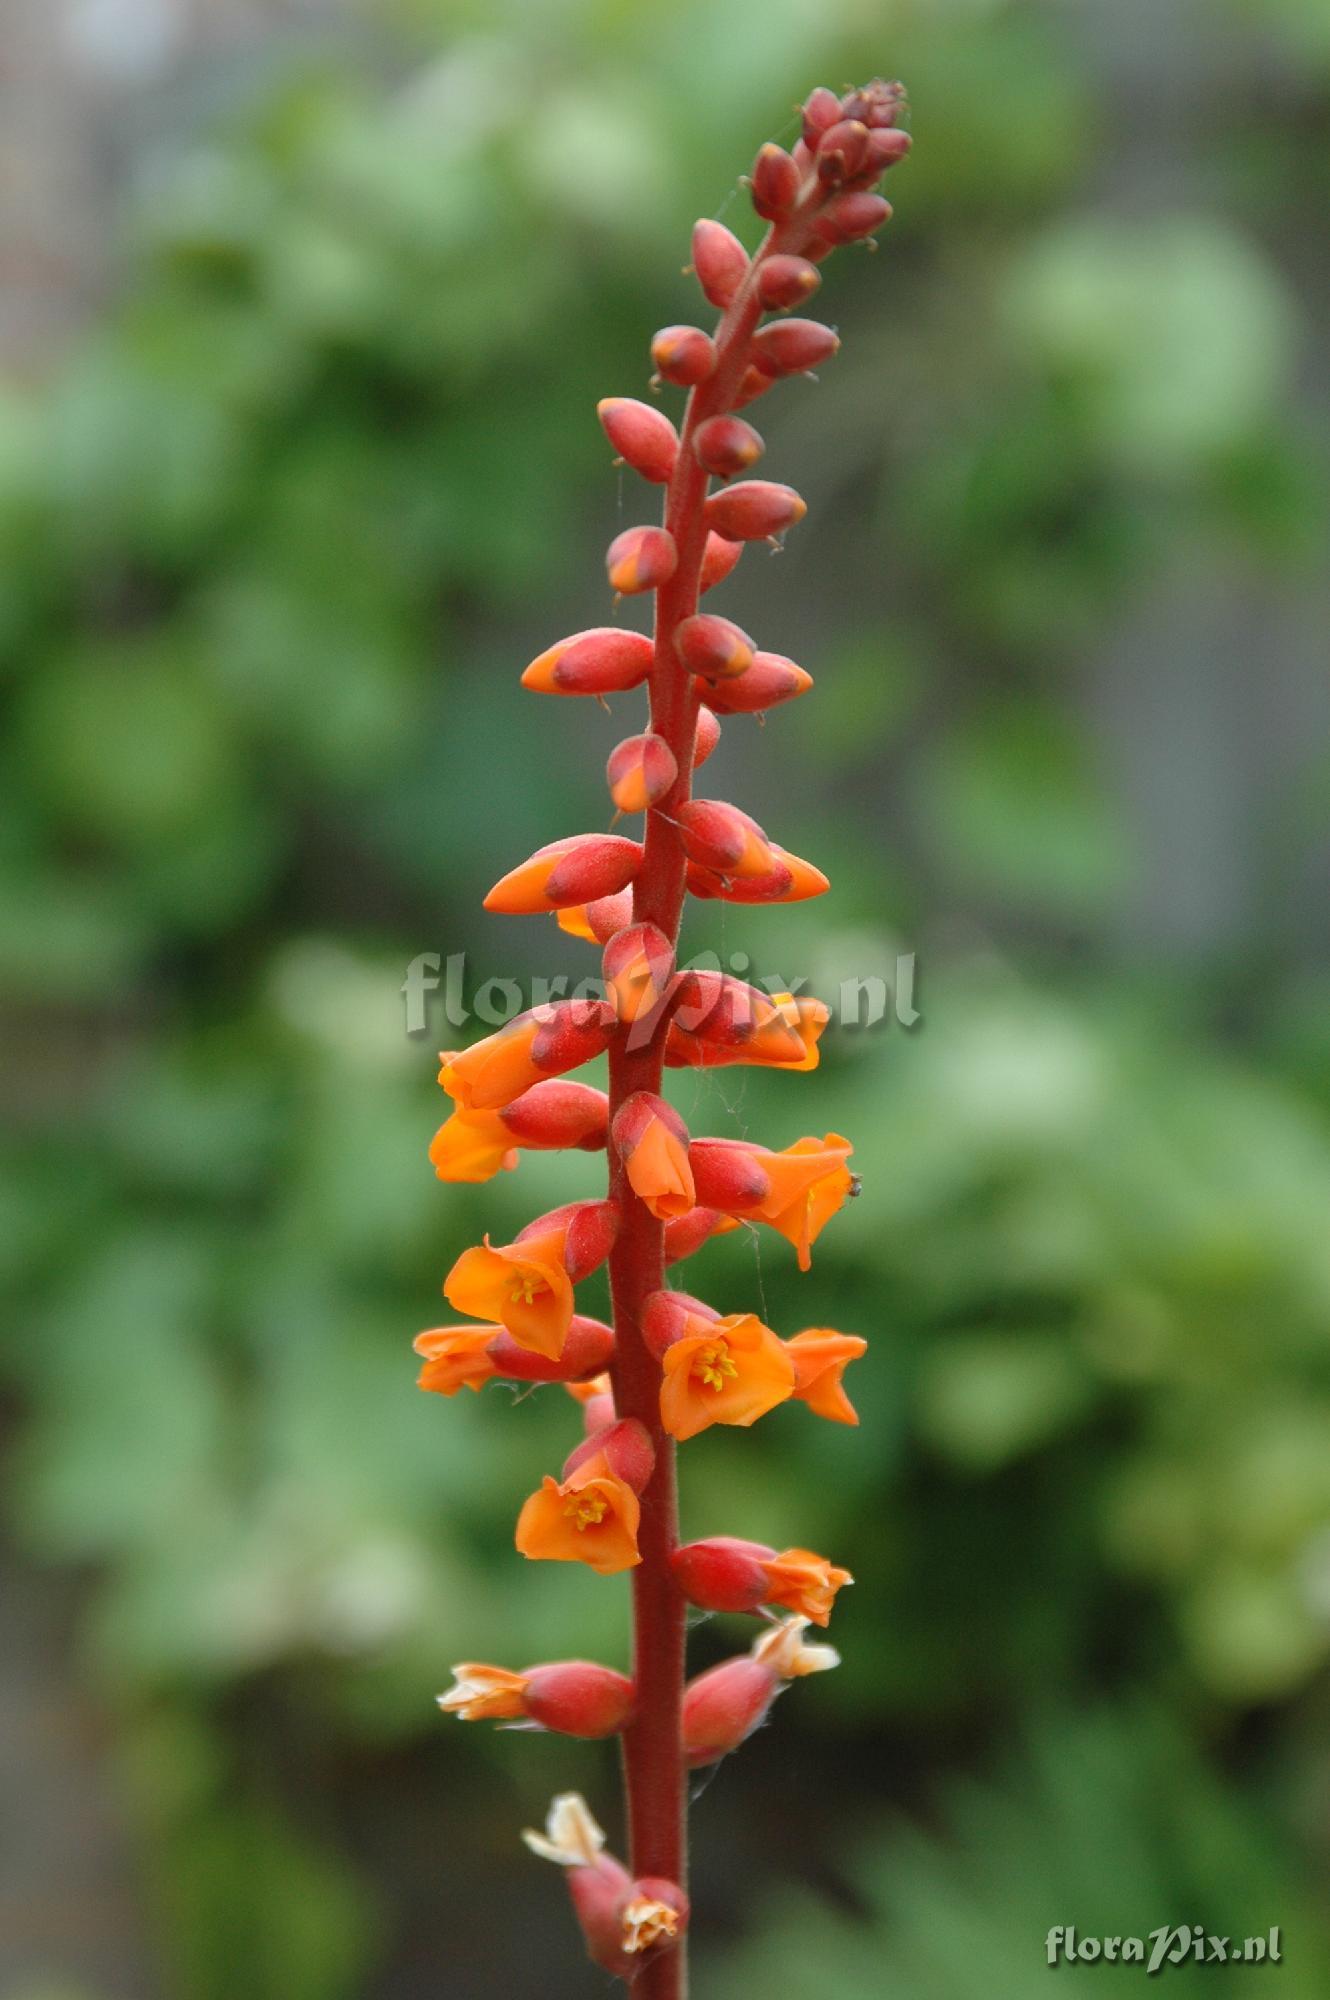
[[730, 1371], [807, 1583], [485, 1694], [491, 1073], [591, 1518], [659, 1173], [809, 1182], [472, 1146], [821, 1356], [455, 1358], [523, 1285]]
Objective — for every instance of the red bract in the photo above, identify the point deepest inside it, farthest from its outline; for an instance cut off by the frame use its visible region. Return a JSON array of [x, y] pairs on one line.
[[671, 1365]]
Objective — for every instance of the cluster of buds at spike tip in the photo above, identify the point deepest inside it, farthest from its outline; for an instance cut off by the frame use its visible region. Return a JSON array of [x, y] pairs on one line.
[[672, 1365]]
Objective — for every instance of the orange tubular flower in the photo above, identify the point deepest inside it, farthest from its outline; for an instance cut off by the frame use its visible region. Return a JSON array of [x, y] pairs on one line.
[[574, 1697], [522, 1285], [796, 1191], [591, 1517], [724, 1573], [544, 1042], [821, 1356], [724, 1371], [476, 1145]]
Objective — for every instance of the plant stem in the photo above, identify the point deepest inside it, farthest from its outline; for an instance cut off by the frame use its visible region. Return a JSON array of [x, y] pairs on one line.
[[652, 1744]]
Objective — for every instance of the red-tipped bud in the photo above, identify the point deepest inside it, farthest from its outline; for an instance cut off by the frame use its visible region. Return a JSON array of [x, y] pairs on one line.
[[546, 1041], [685, 1237], [716, 648], [718, 559], [724, 1705], [788, 880], [822, 110], [556, 1114], [589, 1227], [665, 1317], [775, 183], [579, 869], [638, 966], [792, 346], [753, 383], [756, 508], [628, 1450], [652, 1141], [597, 921], [598, 1896], [885, 149], [720, 261], [683, 355], [719, 1011], [718, 836], [786, 281], [731, 1177], [723, 1573], [877, 105], [771, 679], [850, 217], [707, 737], [578, 1698], [842, 151], [726, 445], [643, 437], [598, 1412], [586, 1351], [640, 559], [603, 660], [640, 771]]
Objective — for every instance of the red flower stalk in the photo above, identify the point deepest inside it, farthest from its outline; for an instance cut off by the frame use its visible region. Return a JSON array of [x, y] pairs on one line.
[[671, 1366]]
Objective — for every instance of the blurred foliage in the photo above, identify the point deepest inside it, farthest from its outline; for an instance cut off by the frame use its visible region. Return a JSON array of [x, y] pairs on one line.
[[274, 539]]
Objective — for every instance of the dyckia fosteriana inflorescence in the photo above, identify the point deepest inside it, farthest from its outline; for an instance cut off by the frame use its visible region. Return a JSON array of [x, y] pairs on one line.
[[671, 1365]]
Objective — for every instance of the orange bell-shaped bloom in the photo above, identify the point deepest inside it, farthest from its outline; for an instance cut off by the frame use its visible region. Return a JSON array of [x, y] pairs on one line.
[[809, 1182], [800, 1581], [591, 1517], [472, 1146], [522, 1285], [821, 1356], [456, 1357], [723, 1371]]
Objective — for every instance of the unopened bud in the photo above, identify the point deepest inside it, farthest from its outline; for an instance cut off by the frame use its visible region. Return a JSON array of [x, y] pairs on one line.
[[707, 737], [718, 559], [665, 1318], [885, 149], [755, 508], [877, 105], [628, 1451], [775, 183], [638, 966], [576, 870], [716, 648], [726, 445], [723, 1573], [789, 879], [640, 770], [597, 921], [578, 1698], [589, 1231], [640, 559], [598, 1412], [822, 110], [786, 281], [724, 1706], [720, 261], [644, 437], [603, 660], [545, 1041], [793, 346], [717, 835], [842, 151], [852, 216], [586, 1351], [685, 1237], [771, 679], [730, 1177], [683, 355], [556, 1114]]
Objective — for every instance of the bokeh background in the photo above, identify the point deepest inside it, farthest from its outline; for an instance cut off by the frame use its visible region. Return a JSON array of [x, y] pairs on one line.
[[306, 311]]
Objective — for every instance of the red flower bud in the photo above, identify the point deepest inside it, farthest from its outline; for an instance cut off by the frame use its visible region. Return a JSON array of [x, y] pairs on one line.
[[718, 559], [545, 1041], [729, 1177], [665, 1317], [771, 679], [597, 921], [720, 261], [640, 771], [756, 508], [716, 648], [683, 355], [792, 346], [603, 660], [707, 737], [556, 1114], [643, 437], [877, 104], [588, 1229], [849, 217], [720, 837], [775, 179], [578, 1698], [724, 1706], [723, 1573], [598, 1897], [885, 148], [685, 1236], [842, 151], [638, 966], [640, 559], [822, 110], [721, 1012], [753, 383], [598, 1412], [575, 870], [786, 281], [587, 1348], [628, 1451], [726, 445], [788, 880]]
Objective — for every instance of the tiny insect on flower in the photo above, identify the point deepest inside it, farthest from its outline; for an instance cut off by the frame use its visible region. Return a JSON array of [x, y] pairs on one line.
[[591, 1517], [720, 261], [821, 1356], [652, 1141], [640, 559], [683, 355], [565, 873], [602, 660], [645, 438], [572, 1697], [730, 1370]]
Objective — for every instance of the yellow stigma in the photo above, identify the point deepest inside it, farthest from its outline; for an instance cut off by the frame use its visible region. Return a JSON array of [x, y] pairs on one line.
[[586, 1509], [525, 1288], [714, 1364]]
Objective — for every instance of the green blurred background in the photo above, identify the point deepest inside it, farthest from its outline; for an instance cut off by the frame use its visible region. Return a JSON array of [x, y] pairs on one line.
[[298, 467]]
